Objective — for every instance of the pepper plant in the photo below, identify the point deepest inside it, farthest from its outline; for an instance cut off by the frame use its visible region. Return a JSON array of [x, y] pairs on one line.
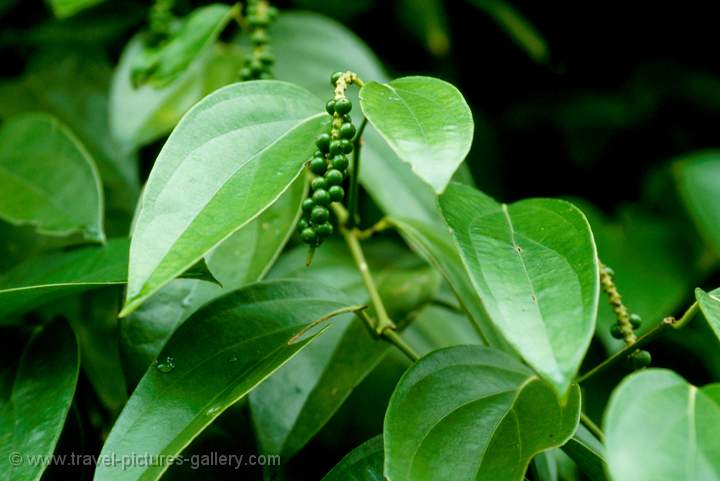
[[307, 248]]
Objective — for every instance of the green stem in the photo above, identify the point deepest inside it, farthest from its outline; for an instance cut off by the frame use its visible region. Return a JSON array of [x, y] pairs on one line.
[[687, 316], [592, 427], [355, 173], [400, 343]]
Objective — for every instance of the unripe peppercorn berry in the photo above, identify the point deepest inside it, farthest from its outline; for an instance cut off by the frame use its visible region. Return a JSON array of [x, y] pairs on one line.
[[302, 225], [330, 106], [308, 235], [347, 130], [335, 147], [318, 183], [323, 142], [333, 177], [616, 332], [319, 215], [335, 77], [641, 359], [340, 162], [343, 106], [336, 193], [346, 146], [635, 320], [318, 165], [307, 205], [324, 230], [321, 197]]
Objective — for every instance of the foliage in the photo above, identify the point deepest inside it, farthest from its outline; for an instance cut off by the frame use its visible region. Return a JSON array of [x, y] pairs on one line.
[[225, 228]]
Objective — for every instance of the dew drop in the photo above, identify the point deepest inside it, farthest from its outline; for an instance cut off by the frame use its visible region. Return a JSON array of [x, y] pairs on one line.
[[186, 301], [166, 365], [213, 410]]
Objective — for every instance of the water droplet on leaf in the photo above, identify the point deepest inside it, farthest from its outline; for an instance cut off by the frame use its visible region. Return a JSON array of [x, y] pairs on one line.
[[166, 365]]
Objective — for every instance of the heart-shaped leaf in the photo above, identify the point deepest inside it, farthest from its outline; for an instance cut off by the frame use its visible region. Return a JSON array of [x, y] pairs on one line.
[[142, 113], [698, 178], [472, 413], [425, 120], [534, 265], [588, 453], [435, 244], [364, 463], [307, 47], [67, 198], [214, 358], [33, 416], [660, 428], [709, 303], [230, 157]]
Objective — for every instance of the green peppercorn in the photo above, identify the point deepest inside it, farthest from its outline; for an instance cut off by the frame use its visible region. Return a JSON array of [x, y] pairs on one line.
[[343, 106], [641, 359], [302, 225], [346, 146], [335, 77], [340, 162], [319, 215], [272, 12], [335, 147], [245, 73], [308, 205], [259, 37], [347, 130], [336, 193], [616, 332], [347, 119], [265, 76], [324, 230], [330, 106], [323, 142], [308, 235], [318, 183], [321, 197], [266, 57], [318, 165], [334, 177], [256, 66], [635, 320]]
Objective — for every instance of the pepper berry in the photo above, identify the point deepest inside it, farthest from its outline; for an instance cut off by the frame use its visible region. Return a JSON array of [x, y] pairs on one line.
[[343, 106], [258, 65], [641, 359], [323, 142], [334, 177], [318, 165], [336, 193], [340, 162], [318, 183], [321, 197], [347, 130]]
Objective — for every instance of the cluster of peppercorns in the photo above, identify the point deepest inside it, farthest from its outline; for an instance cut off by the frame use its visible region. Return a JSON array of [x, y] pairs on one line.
[[258, 65], [161, 18], [329, 164], [639, 358]]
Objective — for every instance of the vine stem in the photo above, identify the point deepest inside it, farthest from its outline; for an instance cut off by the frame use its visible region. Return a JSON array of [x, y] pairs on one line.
[[592, 427], [641, 341], [353, 195]]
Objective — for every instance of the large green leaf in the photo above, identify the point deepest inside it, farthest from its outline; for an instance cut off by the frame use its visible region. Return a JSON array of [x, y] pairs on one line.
[[698, 178], [242, 258], [425, 120], [588, 453], [140, 114], [434, 243], [232, 155], [710, 306], [289, 408], [364, 463], [534, 265], [215, 358], [472, 413], [48, 179], [660, 428], [307, 47], [32, 418]]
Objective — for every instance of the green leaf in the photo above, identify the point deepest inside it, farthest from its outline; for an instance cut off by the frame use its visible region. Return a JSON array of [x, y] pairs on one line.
[[434, 242], [698, 178], [289, 408], [425, 120], [534, 265], [518, 28], [588, 453], [32, 419], [214, 359], [308, 46], [141, 114], [710, 306], [241, 146], [682, 442], [242, 258], [67, 197], [471, 412], [364, 463], [160, 65], [68, 8]]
